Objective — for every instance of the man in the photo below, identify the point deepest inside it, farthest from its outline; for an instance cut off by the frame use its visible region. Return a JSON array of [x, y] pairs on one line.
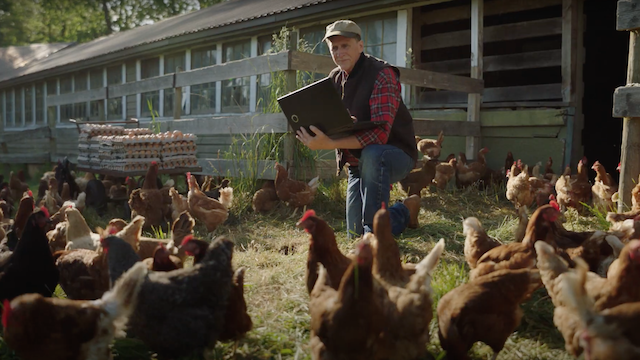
[[370, 89]]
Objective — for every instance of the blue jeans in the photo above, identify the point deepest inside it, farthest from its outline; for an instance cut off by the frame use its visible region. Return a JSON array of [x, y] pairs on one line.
[[368, 186]]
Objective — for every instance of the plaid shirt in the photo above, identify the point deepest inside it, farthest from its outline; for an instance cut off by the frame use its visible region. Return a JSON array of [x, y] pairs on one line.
[[384, 103]]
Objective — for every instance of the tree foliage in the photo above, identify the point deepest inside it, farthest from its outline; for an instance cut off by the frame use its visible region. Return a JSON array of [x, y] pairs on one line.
[[25, 22]]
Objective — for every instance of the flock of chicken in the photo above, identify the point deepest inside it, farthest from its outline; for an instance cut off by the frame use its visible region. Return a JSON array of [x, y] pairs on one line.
[[365, 305]]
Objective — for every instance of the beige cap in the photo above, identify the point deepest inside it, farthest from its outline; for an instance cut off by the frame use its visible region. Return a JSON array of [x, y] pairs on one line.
[[343, 27]]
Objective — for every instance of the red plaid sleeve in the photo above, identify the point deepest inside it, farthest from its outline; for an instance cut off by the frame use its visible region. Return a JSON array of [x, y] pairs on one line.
[[384, 103]]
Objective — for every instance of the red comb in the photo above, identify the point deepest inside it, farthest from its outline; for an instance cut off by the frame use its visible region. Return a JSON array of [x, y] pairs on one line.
[[30, 193], [307, 215], [552, 197], [126, 179], [45, 211], [188, 175], [112, 230], [154, 163], [186, 240], [384, 206], [5, 313], [554, 204]]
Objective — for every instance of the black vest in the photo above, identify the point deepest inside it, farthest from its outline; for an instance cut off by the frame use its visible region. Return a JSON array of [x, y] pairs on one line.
[[357, 91]]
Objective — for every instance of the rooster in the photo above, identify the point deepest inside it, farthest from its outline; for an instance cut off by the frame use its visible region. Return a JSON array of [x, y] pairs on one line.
[[53, 328], [205, 209], [295, 193]]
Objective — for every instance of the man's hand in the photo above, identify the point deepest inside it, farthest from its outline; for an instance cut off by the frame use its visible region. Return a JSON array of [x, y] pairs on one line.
[[318, 142]]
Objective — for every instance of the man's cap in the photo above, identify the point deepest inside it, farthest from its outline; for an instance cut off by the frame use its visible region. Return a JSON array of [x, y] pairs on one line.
[[343, 27]]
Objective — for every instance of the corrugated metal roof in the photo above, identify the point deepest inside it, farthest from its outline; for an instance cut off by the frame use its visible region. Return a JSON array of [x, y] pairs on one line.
[[222, 14], [15, 57]]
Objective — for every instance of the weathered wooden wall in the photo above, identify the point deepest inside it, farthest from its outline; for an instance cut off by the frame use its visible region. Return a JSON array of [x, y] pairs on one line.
[[522, 50]]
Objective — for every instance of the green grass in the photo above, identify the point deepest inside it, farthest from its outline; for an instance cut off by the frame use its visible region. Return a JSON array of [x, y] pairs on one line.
[[275, 251]]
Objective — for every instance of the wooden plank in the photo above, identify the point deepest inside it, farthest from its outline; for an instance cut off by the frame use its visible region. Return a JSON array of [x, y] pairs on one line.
[[234, 69], [515, 31], [509, 93], [142, 86], [425, 127], [500, 118], [21, 135], [496, 7], [301, 61], [628, 15], [477, 68], [569, 49], [77, 97], [232, 124], [521, 132], [289, 141], [626, 101], [35, 158], [262, 169], [195, 169], [435, 80], [505, 104], [527, 60], [630, 156]]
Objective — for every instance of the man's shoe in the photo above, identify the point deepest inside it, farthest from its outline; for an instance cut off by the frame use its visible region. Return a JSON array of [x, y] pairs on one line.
[[413, 204]]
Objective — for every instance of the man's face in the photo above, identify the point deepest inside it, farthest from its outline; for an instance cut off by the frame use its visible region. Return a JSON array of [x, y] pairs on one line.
[[345, 51]]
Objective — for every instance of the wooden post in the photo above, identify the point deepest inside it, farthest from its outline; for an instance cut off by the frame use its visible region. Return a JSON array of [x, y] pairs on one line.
[[177, 98], [475, 100], [291, 85], [572, 59], [625, 104]]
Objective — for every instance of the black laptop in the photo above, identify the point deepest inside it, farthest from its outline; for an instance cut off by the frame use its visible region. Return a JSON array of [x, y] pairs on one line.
[[319, 104]]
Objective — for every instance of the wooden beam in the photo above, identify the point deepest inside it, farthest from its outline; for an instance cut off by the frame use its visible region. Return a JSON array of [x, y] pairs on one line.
[[234, 69], [628, 15], [142, 86], [496, 7], [527, 60], [301, 61], [504, 104], [630, 154], [501, 94], [21, 135], [426, 127], [475, 100], [626, 101], [514, 31], [262, 169], [35, 158], [77, 97], [436, 80], [501, 118], [232, 124], [291, 84]]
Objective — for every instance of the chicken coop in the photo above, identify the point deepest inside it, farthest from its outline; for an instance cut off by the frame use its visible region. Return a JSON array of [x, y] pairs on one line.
[[534, 77]]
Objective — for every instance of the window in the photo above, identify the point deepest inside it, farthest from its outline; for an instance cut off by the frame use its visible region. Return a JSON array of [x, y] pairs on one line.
[[65, 85], [313, 38], [95, 108], [19, 101], [203, 96], [80, 82], [131, 71], [172, 63], [40, 103], [114, 75], [380, 36], [96, 78], [150, 100], [9, 106], [79, 111], [66, 113], [28, 105], [235, 92], [52, 86], [263, 97]]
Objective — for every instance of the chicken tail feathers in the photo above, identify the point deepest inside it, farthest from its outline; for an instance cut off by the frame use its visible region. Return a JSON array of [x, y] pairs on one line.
[[314, 183], [226, 197], [120, 301], [424, 269], [574, 293]]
